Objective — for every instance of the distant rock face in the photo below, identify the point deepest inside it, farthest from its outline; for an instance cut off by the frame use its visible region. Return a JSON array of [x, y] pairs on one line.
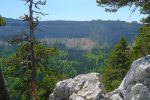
[[82, 87], [72, 43], [135, 85]]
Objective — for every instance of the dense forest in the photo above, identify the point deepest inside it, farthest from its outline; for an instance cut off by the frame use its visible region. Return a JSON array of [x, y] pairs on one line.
[[34, 55]]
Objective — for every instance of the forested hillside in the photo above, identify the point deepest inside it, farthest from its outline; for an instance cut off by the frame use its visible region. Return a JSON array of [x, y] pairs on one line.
[[101, 32]]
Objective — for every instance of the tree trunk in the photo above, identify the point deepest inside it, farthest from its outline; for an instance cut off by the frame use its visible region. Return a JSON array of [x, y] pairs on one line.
[[4, 93], [33, 55], [33, 73]]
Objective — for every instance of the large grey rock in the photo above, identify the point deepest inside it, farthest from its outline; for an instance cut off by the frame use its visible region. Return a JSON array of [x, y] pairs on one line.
[[82, 87], [136, 84]]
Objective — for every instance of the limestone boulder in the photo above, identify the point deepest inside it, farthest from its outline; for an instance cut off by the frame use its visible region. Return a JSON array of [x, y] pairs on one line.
[[82, 87]]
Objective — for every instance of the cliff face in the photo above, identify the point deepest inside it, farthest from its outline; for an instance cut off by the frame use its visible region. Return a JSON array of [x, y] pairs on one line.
[[135, 85], [71, 43]]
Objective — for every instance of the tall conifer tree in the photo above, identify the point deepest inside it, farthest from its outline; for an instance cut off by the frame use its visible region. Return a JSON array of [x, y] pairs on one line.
[[117, 65], [141, 46]]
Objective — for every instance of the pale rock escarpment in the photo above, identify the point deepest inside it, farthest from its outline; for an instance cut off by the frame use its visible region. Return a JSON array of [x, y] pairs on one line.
[[135, 85], [82, 87]]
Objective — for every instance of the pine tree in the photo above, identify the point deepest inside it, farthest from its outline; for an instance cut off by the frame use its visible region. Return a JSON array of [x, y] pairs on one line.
[[33, 5], [19, 71], [141, 47], [114, 5], [117, 65], [31, 54], [2, 21]]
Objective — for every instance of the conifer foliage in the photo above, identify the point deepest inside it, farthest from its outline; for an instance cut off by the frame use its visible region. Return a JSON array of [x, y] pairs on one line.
[[141, 46], [117, 65], [33, 22], [29, 63], [114, 5], [2, 21]]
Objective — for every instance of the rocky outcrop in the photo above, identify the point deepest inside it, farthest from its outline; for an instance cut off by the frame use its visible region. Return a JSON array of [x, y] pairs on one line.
[[135, 85], [82, 87]]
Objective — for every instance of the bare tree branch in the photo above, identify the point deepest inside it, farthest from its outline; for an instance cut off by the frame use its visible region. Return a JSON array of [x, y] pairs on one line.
[[38, 12], [19, 38], [36, 4]]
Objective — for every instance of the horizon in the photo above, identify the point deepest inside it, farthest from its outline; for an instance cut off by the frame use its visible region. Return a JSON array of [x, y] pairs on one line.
[[80, 20], [69, 10]]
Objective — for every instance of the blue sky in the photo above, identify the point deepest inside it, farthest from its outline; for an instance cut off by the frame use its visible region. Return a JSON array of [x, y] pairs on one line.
[[79, 10]]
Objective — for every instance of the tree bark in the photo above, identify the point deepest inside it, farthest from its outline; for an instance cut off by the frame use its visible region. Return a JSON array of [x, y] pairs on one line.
[[33, 55], [4, 93]]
